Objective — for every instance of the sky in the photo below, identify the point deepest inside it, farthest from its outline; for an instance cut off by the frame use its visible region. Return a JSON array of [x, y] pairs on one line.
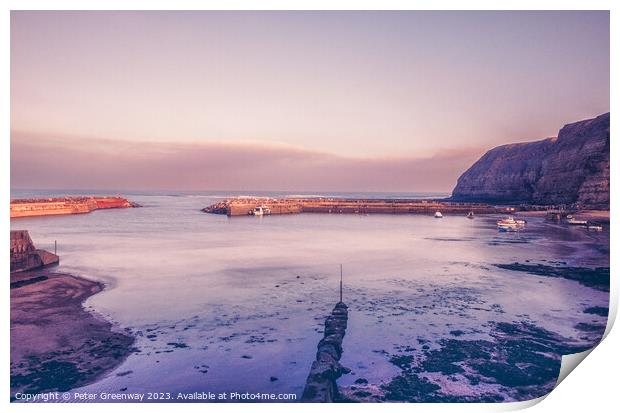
[[315, 101]]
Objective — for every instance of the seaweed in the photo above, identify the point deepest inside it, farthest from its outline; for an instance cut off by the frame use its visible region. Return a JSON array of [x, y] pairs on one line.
[[597, 278]]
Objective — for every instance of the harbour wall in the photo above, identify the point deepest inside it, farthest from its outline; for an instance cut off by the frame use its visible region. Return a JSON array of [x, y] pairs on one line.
[[65, 206], [24, 255], [243, 206]]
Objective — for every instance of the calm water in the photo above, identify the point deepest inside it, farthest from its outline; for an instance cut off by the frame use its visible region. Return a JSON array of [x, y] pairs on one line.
[[221, 304]]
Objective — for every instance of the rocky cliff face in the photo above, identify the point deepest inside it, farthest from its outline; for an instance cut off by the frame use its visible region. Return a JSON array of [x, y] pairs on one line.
[[570, 169]]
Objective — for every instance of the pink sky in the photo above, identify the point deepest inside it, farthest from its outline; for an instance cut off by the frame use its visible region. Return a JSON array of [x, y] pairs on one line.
[[394, 101]]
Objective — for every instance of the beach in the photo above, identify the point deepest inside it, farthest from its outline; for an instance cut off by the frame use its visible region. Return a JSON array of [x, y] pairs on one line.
[[57, 344]]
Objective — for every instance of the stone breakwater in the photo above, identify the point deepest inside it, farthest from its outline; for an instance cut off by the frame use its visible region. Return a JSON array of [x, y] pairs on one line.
[[65, 206], [243, 206], [321, 384]]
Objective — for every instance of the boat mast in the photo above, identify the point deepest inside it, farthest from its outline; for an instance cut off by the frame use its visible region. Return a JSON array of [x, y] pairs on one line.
[[340, 282]]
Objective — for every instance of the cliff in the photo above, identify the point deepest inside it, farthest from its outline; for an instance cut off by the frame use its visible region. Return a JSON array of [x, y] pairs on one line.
[[572, 169]]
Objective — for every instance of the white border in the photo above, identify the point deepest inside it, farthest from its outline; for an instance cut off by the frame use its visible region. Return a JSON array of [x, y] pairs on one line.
[[592, 387]]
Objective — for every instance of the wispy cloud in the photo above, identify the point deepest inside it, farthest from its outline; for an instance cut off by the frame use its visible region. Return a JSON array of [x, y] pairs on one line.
[[70, 162]]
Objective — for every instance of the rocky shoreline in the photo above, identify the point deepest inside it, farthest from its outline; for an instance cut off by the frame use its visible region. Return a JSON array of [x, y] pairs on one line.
[[520, 362], [56, 344]]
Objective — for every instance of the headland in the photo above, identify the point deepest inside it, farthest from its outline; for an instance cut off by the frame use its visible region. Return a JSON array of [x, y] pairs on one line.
[[571, 169]]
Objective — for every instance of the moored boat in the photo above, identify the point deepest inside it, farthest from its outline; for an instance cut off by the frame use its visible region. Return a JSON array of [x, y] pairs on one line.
[[510, 224], [470, 215], [260, 211], [438, 214], [595, 227], [573, 221]]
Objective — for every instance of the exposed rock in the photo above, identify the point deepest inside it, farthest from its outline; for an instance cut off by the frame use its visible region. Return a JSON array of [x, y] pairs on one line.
[[597, 278], [520, 358], [570, 169]]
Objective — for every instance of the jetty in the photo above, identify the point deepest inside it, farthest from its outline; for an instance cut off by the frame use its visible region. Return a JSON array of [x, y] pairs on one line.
[[244, 206], [24, 255], [66, 206]]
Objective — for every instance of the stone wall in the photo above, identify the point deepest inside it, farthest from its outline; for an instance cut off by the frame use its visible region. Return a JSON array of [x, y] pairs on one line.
[[321, 384], [65, 206], [24, 255], [242, 206]]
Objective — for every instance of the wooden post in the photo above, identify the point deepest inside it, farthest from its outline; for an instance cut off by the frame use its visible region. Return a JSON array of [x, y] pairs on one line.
[[340, 282], [55, 247]]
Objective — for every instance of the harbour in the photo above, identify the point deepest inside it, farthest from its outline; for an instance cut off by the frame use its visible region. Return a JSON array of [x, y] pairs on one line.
[[255, 293]]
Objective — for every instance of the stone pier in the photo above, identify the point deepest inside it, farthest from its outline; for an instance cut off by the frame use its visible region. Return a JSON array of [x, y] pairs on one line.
[[24, 255], [244, 206], [66, 206]]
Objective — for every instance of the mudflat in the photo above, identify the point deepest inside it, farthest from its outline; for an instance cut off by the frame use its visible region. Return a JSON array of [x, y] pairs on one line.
[[57, 345]]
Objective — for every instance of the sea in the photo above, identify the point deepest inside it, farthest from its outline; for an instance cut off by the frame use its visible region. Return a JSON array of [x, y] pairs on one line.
[[221, 304]]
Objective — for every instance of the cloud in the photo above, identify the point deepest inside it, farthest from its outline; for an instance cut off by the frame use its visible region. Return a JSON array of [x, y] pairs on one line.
[[76, 163]]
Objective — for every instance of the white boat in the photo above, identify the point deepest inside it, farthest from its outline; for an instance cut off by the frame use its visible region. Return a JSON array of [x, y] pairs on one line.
[[573, 221], [470, 215], [438, 215], [595, 227], [510, 224], [260, 211]]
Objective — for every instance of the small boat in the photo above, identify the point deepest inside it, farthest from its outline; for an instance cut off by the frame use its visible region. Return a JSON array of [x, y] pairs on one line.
[[470, 215], [260, 211], [511, 221], [438, 215], [595, 227], [510, 224], [573, 221]]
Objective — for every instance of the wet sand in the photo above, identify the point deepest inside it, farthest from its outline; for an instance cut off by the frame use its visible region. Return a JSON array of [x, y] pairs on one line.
[[57, 345]]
